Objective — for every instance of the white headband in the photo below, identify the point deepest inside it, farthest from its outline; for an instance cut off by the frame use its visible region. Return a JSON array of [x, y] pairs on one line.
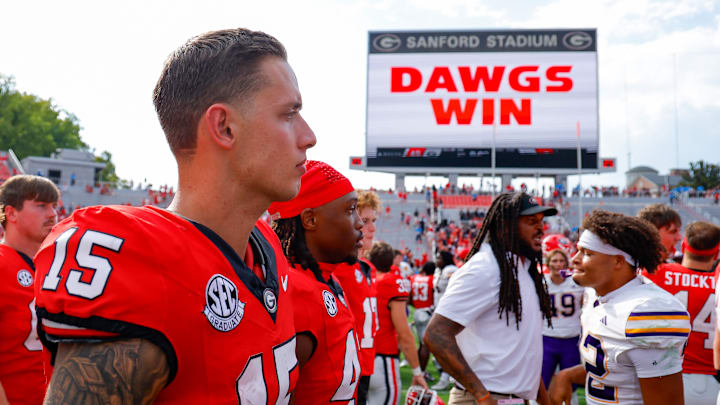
[[589, 240]]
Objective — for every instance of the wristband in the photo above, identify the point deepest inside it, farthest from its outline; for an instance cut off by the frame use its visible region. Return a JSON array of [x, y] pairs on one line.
[[487, 395], [417, 371], [717, 375]]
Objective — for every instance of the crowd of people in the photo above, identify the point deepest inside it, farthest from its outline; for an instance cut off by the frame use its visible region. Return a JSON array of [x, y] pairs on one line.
[[264, 283]]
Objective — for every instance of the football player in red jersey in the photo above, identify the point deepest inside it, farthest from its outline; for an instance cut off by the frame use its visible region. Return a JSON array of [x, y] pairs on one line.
[[693, 283], [359, 287], [319, 229], [188, 305], [27, 212], [422, 298], [392, 292], [668, 223]]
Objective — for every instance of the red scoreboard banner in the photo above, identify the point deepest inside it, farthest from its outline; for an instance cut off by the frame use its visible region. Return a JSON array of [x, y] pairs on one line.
[[438, 98]]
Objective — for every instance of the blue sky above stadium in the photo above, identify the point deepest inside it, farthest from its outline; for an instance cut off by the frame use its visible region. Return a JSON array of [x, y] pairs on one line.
[[100, 61]]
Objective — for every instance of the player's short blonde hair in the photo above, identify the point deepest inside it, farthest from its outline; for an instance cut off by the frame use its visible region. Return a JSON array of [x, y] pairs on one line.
[[368, 199]]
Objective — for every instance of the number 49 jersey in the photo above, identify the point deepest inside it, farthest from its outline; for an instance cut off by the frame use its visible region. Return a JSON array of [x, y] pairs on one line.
[[565, 299], [228, 336], [696, 290], [636, 331]]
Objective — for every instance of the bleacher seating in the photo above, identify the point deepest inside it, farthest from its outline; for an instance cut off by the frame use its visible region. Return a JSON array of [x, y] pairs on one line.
[[465, 201]]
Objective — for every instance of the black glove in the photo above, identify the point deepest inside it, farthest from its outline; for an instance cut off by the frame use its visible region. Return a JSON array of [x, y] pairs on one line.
[[717, 375]]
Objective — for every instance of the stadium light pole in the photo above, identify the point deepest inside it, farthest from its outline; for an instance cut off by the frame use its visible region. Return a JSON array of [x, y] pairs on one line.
[[492, 159], [677, 144], [579, 163]]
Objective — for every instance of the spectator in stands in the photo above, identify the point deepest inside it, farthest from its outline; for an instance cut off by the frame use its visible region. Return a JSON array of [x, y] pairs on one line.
[[668, 223]]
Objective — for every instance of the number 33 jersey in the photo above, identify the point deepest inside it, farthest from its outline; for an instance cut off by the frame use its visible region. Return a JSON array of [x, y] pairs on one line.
[[228, 336], [636, 331]]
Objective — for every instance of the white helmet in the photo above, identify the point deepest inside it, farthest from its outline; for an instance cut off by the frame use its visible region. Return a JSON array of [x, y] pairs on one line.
[[417, 395]]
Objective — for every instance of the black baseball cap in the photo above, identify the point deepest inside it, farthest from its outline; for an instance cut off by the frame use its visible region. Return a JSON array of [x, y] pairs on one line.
[[530, 206]]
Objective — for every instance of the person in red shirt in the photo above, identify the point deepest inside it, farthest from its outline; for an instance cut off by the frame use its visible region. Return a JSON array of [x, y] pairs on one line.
[[27, 212], [393, 292], [357, 281], [319, 230], [693, 283], [188, 305], [423, 299]]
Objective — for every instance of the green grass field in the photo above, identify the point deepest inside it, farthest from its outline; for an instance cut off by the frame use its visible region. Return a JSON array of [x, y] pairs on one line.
[[406, 377]]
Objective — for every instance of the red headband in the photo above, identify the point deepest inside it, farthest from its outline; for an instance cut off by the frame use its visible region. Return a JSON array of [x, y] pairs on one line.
[[318, 186], [707, 252]]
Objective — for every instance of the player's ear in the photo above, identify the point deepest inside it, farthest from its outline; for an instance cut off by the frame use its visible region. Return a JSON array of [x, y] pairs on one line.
[[220, 125], [309, 219], [10, 213]]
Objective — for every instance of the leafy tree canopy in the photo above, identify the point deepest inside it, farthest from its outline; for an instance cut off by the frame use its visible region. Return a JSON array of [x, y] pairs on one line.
[[702, 174], [32, 126]]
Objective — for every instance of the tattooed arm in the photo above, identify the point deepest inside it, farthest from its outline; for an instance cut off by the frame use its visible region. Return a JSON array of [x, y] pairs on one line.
[[440, 339], [120, 372]]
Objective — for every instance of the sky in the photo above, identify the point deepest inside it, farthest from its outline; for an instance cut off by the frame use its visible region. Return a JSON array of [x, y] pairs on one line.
[[657, 61]]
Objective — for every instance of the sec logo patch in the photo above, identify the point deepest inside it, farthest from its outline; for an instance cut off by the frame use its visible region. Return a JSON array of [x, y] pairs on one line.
[[358, 276], [223, 309], [330, 303], [25, 278]]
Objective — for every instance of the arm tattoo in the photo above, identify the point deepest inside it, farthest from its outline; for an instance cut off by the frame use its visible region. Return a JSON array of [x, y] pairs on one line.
[[440, 338], [120, 372]]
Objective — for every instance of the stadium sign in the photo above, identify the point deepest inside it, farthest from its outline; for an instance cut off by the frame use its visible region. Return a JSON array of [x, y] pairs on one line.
[[444, 98]]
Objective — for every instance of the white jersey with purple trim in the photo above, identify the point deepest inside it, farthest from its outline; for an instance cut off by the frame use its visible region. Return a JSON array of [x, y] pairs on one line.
[[565, 300], [636, 331]]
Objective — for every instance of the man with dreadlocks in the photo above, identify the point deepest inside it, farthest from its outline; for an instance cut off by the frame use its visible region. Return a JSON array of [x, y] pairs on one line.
[[487, 329], [634, 332], [320, 229]]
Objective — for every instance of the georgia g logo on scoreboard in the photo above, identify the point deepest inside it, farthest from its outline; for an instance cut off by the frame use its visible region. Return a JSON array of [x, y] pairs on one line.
[[387, 42]]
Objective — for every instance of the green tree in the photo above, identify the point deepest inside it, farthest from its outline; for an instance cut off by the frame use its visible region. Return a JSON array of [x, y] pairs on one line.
[[32, 126], [108, 175], [702, 174]]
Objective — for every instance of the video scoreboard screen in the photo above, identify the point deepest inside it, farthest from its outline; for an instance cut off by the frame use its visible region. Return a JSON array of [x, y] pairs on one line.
[[442, 98]]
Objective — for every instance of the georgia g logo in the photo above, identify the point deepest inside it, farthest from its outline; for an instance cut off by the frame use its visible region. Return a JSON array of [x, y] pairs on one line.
[[223, 309]]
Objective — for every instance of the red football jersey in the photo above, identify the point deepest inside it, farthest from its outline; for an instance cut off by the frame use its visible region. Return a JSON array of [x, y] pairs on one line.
[[332, 373], [145, 272], [359, 289], [390, 286], [21, 364], [696, 290], [421, 294]]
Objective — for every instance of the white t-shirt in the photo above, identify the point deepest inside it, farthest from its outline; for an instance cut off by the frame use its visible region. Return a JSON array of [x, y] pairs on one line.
[[506, 359], [565, 299], [636, 331], [441, 280]]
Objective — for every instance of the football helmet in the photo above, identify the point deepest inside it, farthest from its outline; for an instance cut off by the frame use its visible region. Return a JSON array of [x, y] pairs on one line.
[[557, 241], [417, 395]]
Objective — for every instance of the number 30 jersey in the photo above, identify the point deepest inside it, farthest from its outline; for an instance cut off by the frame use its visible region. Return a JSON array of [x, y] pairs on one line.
[[115, 271], [390, 286], [565, 301], [21, 366], [636, 331]]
